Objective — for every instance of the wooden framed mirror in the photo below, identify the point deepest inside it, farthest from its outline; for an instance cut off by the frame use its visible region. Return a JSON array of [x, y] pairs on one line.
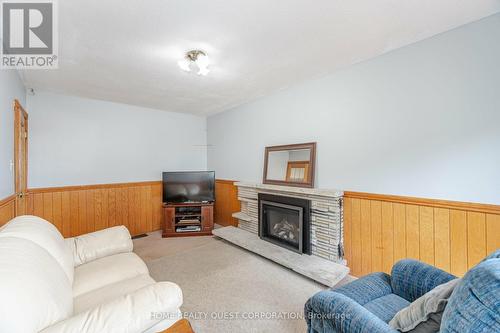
[[291, 165]]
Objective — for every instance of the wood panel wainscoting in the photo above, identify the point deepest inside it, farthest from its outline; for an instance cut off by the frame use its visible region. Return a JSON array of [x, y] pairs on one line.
[[382, 229], [7, 209], [77, 210], [226, 202]]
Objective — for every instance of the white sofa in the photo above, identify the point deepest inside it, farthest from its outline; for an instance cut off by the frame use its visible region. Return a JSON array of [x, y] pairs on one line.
[[89, 283]]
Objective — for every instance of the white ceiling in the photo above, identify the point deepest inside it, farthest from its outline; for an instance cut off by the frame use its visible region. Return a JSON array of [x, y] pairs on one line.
[[127, 51]]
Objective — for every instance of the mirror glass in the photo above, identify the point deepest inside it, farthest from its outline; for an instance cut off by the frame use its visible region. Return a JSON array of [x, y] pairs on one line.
[[290, 165]]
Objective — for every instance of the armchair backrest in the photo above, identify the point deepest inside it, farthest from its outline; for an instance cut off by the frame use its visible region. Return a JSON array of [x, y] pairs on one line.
[[411, 278], [474, 305]]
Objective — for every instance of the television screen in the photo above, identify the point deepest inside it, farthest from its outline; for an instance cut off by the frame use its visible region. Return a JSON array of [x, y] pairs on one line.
[[179, 187]]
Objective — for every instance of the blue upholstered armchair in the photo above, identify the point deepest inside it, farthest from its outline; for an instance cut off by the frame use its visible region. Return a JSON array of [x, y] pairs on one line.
[[369, 303]]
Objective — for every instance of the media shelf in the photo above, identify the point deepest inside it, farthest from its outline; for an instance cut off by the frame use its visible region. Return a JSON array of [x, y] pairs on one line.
[[188, 219]]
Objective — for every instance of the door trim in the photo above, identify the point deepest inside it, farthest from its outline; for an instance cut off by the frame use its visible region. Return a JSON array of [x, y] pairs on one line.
[[21, 187]]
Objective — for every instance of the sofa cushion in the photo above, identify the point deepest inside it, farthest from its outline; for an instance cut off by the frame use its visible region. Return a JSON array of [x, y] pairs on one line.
[[426, 311], [109, 292], [100, 244], [387, 306], [474, 305], [44, 234], [34, 290], [106, 271]]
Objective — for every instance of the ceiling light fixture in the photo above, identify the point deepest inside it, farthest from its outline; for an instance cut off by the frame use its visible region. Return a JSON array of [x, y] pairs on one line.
[[195, 59]]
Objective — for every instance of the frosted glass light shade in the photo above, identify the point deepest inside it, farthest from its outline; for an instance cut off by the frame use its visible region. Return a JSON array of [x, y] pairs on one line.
[[184, 64], [195, 60]]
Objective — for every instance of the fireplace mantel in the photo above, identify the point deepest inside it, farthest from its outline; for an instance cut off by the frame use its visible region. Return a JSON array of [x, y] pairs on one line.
[[326, 215], [293, 190]]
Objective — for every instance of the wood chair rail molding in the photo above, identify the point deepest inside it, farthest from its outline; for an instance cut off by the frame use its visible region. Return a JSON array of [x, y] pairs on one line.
[[439, 203], [382, 229], [7, 200], [225, 181], [7, 209]]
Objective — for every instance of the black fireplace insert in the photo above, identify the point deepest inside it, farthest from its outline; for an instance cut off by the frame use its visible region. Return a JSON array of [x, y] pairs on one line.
[[285, 221]]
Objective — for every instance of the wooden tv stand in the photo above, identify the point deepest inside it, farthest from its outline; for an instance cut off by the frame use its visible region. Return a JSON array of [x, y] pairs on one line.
[[178, 216]]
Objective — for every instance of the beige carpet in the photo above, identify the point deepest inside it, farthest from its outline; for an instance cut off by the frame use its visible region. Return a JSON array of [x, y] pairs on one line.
[[226, 288]]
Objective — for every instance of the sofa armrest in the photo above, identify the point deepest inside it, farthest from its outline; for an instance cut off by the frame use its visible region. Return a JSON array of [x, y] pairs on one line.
[[411, 279], [100, 244], [329, 311], [133, 313]]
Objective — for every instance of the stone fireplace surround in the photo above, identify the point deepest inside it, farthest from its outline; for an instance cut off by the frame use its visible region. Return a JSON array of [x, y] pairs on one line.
[[326, 215]]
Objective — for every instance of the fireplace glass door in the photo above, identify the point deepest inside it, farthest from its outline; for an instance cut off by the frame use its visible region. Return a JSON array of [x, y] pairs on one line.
[[282, 224]]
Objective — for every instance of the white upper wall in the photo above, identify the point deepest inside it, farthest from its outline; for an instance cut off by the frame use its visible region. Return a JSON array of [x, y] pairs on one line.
[[11, 87], [420, 121], [78, 141]]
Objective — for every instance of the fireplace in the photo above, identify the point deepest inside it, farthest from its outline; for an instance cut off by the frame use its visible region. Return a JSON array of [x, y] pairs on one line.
[[285, 221]]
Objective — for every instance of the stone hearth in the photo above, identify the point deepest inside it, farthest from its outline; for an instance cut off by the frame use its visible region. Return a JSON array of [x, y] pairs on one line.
[[326, 215], [321, 270]]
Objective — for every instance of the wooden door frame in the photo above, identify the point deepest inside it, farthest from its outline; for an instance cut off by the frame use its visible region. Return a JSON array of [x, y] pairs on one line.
[[20, 192]]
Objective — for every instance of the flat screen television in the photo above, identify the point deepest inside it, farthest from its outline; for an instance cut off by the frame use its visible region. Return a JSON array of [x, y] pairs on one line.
[[192, 186]]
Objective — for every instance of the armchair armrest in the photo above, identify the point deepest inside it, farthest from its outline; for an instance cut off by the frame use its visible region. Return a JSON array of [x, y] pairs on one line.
[[329, 311], [367, 288], [133, 313], [411, 279], [100, 244]]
